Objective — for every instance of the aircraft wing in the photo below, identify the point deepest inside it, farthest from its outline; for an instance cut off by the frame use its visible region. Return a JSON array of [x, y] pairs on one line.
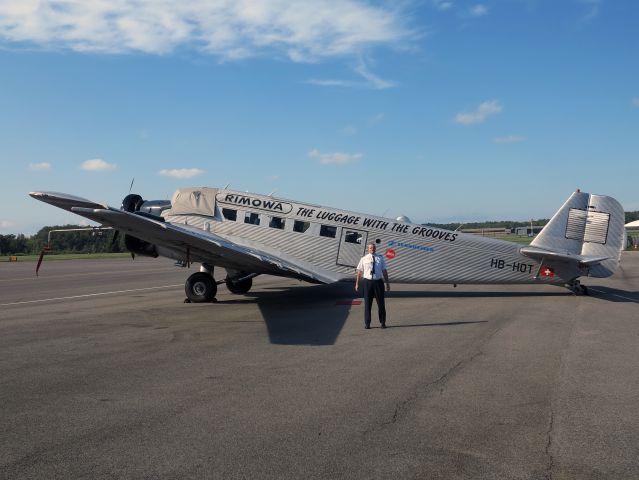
[[543, 254], [206, 247]]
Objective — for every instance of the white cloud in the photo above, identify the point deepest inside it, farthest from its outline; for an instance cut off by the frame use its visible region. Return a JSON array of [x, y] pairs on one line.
[[303, 31], [331, 82], [485, 110], [348, 130], [442, 5], [373, 80], [510, 139], [376, 119], [592, 12], [478, 10], [4, 224], [97, 165], [635, 102], [370, 79], [144, 134], [181, 173], [273, 178], [40, 167], [335, 158]]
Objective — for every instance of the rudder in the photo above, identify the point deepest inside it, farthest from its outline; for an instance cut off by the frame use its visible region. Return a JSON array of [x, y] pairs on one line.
[[589, 225]]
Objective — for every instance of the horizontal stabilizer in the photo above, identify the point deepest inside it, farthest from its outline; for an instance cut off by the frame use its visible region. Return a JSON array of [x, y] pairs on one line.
[[587, 231], [542, 255]]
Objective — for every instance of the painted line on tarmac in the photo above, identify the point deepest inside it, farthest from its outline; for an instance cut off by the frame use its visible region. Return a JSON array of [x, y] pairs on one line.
[[49, 276], [90, 295], [614, 295]]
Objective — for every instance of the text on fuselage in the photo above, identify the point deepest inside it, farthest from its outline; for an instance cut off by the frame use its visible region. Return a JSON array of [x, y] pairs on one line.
[[254, 202], [515, 266]]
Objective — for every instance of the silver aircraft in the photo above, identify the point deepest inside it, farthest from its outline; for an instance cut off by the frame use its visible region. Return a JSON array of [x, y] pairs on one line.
[[250, 234]]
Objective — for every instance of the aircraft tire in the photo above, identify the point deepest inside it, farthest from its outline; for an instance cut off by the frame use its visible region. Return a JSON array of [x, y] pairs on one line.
[[200, 287], [239, 287]]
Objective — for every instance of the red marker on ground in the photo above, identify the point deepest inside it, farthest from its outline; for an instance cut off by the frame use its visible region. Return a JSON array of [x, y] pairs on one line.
[[348, 302]]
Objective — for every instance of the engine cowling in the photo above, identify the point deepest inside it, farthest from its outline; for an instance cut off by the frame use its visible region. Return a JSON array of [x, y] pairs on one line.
[[134, 203], [140, 247]]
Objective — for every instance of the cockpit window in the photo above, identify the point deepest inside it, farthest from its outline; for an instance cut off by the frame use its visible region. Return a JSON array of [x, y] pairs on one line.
[[229, 214]]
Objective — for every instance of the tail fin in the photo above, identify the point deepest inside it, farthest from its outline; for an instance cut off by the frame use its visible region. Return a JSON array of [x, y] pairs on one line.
[[590, 226]]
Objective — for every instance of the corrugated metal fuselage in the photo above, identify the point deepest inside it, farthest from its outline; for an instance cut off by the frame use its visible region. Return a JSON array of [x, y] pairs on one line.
[[335, 240]]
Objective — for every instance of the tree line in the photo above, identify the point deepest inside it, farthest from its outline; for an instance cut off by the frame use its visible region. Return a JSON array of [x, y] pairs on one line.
[[89, 241], [102, 241], [630, 217], [490, 224]]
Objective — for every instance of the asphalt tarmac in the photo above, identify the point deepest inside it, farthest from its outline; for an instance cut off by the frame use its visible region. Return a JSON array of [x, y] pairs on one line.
[[106, 373]]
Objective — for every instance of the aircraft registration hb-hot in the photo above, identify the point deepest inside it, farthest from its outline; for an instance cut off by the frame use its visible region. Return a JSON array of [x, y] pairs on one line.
[[249, 234]]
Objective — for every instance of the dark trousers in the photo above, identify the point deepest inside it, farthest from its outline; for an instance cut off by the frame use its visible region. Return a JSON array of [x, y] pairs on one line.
[[374, 289]]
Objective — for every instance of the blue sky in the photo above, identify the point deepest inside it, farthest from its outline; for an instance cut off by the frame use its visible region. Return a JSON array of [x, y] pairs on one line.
[[439, 110]]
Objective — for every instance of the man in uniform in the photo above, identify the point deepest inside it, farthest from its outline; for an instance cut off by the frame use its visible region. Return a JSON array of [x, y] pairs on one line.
[[372, 267]]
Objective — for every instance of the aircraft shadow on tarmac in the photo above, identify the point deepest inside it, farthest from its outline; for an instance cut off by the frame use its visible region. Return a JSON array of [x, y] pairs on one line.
[[313, 316], [301, 315], [613, 294]]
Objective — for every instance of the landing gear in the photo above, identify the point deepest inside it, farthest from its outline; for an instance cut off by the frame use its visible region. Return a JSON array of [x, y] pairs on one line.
[[240, 286], [200, 287], [577, 288], [239, 282]]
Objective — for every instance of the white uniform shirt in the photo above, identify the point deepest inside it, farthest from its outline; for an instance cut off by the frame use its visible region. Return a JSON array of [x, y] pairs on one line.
[[372, 265]]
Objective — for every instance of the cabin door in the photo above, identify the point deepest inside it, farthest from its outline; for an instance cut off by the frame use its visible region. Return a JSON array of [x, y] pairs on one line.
[[352, 246]]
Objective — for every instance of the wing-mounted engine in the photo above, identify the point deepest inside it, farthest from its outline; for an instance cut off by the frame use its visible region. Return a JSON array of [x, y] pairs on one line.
[[152, 209]]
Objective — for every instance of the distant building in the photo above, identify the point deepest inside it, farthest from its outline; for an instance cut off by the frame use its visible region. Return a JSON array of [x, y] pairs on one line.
[[487, 232], [528, 231], [632, 231]]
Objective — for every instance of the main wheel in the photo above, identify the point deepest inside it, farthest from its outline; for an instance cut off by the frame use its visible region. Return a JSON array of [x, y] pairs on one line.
[[200, 287], [239, 287]]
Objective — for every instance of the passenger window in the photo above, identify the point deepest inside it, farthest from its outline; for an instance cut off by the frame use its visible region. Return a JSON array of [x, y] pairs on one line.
[[328, 231], [229, 214], [353, 237], [252, 218], [300, 226], [277, 222]]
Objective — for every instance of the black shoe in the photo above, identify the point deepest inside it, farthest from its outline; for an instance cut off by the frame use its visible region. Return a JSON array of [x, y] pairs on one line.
[[367, 327], [383, 325]]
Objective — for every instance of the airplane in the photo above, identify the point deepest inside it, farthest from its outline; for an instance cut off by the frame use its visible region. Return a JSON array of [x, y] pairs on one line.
[[251, 234]]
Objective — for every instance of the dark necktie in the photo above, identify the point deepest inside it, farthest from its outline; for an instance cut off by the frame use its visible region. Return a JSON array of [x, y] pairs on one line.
[[373, 267]]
